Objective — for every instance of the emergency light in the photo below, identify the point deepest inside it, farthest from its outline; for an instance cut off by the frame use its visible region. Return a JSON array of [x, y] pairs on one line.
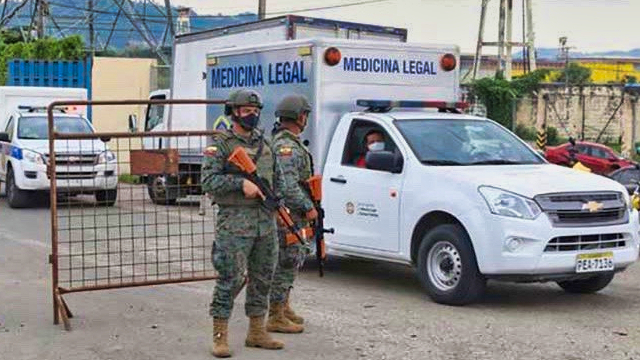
[[448, 62], [386, 105], [332, 56], [31, 109]]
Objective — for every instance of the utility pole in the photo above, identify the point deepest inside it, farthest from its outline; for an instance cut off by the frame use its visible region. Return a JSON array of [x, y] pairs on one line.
[[531, 50], [262, 9], [505, 46], [40, 5], [91, 32], [564, 50]]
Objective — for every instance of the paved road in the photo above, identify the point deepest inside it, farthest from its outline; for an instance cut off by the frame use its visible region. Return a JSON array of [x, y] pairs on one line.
[[359, 310]]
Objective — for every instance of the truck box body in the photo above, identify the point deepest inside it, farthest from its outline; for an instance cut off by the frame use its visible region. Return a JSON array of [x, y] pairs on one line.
[[366, 70], [13, 96], [190, 52]]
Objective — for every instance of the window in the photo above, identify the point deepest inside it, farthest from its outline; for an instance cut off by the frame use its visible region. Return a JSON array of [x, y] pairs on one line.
[[599, 152], [464, 142], [155, 114], [9, 129], [36, 127], [581, 149], [356, 148]]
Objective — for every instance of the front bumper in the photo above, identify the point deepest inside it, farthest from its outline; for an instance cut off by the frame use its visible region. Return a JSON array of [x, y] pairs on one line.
[[490, 235], [85, 178]]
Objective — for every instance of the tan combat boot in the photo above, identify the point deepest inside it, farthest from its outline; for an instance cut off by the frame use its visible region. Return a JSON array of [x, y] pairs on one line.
[[279, 323], [290, 314], [220, 345], [257, 336]]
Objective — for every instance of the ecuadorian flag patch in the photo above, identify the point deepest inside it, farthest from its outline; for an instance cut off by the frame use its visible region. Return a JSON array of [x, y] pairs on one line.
[[211, 151], [285, 151]]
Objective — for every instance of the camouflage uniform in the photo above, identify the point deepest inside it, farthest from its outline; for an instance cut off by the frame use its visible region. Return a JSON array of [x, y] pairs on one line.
[[295, 161], [245, 231]]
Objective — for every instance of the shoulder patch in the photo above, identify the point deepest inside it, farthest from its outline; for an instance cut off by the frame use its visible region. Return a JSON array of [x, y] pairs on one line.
[[211, 151], [285, 151]]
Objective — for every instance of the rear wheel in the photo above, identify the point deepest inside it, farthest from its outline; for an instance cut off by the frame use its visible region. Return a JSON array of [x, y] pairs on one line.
[[589, 285], [16, 197], [447, 266], [106, 197], [163, 190]]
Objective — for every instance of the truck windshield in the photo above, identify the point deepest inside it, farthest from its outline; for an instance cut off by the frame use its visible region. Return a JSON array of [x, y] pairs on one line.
[[464, 142], [35, 127]]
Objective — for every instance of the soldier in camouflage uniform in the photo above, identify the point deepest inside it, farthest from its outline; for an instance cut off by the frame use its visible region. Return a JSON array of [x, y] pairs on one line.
[[246, 235], [295, 160]]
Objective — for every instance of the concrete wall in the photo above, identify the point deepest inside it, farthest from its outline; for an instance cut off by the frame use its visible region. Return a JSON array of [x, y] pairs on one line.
[[117, 79], [572, 113]]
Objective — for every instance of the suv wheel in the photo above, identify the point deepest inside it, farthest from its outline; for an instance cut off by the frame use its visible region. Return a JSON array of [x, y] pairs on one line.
[[106, 197], [16, 197]]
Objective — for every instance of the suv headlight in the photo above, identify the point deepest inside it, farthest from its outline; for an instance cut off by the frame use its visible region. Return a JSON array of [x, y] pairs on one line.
[[105, 157], [32, 156], [505, 203]]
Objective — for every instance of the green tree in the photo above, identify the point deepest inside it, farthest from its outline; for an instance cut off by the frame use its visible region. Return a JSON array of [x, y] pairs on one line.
[[575, 74], [499, 95]]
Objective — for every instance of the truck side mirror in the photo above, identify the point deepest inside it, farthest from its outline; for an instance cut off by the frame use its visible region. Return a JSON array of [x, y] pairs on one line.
[[4, 137], [133, 123], [384, 161]]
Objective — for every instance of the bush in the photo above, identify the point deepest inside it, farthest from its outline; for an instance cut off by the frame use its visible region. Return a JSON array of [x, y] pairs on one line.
[[129, 179], [526, 133], [69, 48]]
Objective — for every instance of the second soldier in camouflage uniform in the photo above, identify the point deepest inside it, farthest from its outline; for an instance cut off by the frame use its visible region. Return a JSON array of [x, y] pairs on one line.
[[245, 231], [295, 160]]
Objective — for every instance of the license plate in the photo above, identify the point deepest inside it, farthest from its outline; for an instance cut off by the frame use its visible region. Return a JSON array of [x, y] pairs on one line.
[[594, 262]]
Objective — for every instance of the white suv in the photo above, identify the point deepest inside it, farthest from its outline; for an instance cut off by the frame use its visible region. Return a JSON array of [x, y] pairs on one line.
[[82, 166]]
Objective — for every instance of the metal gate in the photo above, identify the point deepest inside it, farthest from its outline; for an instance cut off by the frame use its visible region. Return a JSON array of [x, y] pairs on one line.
[[111, 231]]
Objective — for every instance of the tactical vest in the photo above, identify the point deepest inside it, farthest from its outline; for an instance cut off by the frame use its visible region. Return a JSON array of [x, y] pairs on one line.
[[306, 171], [264, 165]]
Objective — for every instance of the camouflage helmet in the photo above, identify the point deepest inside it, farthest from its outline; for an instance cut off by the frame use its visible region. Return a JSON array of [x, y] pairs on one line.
[[292, 106], [244, 97]]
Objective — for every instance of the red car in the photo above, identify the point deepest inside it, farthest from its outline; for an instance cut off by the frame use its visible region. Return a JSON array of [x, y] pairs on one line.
[[597, 157]]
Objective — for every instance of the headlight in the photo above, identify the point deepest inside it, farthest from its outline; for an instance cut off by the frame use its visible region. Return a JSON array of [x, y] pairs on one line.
[[505, 203], [105, 157], [32, 156]]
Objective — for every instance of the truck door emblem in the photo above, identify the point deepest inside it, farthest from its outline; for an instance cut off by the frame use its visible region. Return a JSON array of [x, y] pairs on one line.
[[592, 206], [350, 208]]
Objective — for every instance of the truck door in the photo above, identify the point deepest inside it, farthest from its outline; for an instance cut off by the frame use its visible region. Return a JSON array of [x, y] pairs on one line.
[[5, 148], [155, 121], [361, 204]]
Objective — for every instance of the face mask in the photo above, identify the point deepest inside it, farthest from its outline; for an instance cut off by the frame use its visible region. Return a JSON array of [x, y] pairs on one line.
[[249, 122], [376, 146]]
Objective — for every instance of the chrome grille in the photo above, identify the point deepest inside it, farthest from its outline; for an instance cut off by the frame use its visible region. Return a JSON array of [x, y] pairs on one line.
[[573, 209], [586, 242], [74, 159]]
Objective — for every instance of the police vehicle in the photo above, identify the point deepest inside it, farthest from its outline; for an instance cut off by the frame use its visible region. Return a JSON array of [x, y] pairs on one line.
[[82, 166]]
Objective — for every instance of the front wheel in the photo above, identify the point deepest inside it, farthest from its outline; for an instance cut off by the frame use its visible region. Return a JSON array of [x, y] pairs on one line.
[[447, 266], [16, 197], [587, 286], [106, 197], [163, 190]]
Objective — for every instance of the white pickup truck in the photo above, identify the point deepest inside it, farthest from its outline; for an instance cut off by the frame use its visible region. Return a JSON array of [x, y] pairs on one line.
[[460, 198], [82, 166]]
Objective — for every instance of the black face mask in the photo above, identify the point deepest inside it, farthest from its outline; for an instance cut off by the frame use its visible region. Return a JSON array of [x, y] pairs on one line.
[[249, 122]]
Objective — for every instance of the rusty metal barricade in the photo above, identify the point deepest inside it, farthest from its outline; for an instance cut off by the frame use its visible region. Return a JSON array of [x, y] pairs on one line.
[[111, 231]]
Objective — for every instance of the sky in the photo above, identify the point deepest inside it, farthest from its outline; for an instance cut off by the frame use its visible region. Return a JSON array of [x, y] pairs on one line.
[[589, 25]]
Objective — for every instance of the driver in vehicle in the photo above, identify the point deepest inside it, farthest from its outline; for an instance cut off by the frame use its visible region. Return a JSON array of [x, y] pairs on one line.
[[373, 141]]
